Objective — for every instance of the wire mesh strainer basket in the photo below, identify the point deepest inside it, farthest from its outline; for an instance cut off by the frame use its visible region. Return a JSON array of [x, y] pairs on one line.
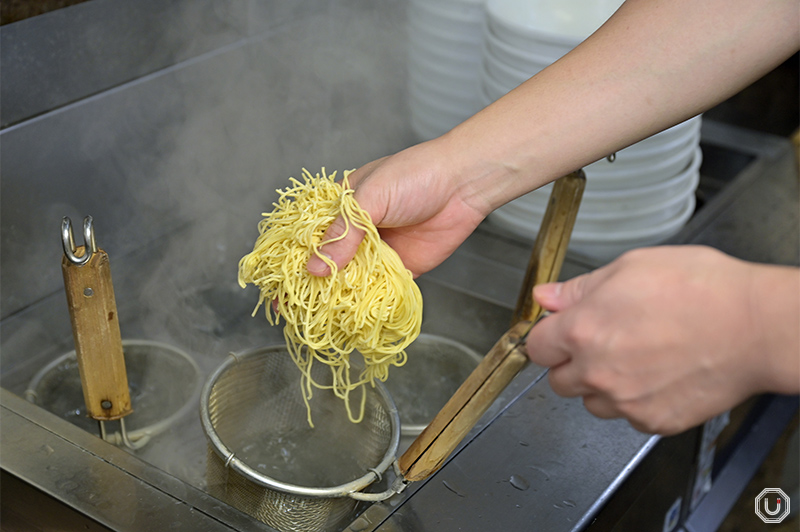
[[164, 386], [265, 460]]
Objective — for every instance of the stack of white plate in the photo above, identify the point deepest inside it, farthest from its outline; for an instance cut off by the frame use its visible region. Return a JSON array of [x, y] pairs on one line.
[[445, 44], [641, 198]]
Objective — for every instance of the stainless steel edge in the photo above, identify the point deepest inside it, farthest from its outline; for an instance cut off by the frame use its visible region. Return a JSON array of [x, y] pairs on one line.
[[101, 481]]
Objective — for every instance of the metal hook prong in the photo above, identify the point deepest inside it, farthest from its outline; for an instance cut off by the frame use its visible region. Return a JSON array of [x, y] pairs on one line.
[[68, 241]]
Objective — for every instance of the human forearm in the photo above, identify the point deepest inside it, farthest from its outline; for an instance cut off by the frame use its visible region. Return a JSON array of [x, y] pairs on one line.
[[775, 297], [655, 63]]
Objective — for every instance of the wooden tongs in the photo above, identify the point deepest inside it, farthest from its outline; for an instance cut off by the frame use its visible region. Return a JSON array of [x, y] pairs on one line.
[[508, 356], [95, 328]]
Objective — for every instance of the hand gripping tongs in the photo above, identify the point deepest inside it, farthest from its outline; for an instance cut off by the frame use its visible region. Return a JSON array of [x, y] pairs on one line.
[[508, 356]]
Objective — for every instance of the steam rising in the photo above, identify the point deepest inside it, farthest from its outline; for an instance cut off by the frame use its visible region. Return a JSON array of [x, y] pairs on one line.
[[177, 166]]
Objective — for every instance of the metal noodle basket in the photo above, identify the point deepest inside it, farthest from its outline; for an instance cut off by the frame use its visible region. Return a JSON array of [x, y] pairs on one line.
[[164, 385], [265, 459]]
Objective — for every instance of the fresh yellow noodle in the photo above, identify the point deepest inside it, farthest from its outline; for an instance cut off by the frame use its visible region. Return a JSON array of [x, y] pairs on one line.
[[372, 305]]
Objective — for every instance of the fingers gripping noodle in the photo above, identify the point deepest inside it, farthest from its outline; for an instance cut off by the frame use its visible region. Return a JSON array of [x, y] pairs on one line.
[[372, 305]]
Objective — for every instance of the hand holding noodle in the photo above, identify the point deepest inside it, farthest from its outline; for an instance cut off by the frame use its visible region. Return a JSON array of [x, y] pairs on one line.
[[421, 207], [372, 305], [651, 66]]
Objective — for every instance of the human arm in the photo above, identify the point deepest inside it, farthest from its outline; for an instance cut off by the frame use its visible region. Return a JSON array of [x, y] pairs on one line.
[[652, 65], [668, 337]]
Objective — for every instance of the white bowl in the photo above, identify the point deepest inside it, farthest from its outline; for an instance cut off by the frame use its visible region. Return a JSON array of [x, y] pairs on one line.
[[493, 88], [461, 90], [432, 65], [464, 105], [450, 4], [425, 131], [452, 48], [609, 249], [462, 13], [531, 57], [683, 130], [436, 114], [629, 197], [603, 246], [560, 21], [468, 34], [432, 68], [642, 172], [483, 97], [542, 45], [635, 167], [616, 219], [504, 74], [441, 101], [437, 57]]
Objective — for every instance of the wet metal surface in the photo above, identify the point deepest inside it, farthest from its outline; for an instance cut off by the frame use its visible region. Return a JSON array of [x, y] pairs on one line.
[[533, 459]]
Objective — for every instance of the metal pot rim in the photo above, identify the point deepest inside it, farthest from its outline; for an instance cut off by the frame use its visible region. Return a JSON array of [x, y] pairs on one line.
[[234, 463]]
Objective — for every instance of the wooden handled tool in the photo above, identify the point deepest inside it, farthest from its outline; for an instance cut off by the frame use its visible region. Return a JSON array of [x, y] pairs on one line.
[[95, 326], [440, 438]]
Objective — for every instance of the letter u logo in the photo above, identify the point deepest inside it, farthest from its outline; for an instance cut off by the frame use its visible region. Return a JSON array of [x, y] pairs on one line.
[[771, 512]]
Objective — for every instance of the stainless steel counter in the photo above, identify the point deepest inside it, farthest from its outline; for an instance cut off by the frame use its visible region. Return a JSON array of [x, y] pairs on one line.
[[535, 459]]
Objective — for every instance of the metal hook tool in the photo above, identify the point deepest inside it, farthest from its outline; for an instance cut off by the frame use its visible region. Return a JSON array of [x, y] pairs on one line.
[[68, 241]]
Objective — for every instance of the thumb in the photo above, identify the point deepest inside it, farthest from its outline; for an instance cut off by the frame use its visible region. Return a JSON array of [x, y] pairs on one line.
[[559, 296], [341, 240], [342, 244]]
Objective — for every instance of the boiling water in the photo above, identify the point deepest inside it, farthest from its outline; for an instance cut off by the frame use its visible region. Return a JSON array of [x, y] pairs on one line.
[[260, 415], [159, 381], [435, 368], [319, 457]]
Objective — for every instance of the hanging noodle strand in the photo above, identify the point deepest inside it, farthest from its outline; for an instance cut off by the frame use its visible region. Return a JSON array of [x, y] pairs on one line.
[[372, 305]]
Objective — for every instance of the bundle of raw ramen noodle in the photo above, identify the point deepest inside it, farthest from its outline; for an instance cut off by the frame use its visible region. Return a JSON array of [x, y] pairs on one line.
[[372, 305]]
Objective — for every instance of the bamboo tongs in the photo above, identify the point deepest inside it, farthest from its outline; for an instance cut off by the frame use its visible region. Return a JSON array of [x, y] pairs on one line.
[[95, 329], [508, 356]]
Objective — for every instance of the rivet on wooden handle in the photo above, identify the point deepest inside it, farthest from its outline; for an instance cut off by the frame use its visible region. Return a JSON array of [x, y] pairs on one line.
[[98, 342]]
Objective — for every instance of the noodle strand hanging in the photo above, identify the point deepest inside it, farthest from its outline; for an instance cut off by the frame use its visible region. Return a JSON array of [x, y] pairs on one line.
[[372, 305]]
